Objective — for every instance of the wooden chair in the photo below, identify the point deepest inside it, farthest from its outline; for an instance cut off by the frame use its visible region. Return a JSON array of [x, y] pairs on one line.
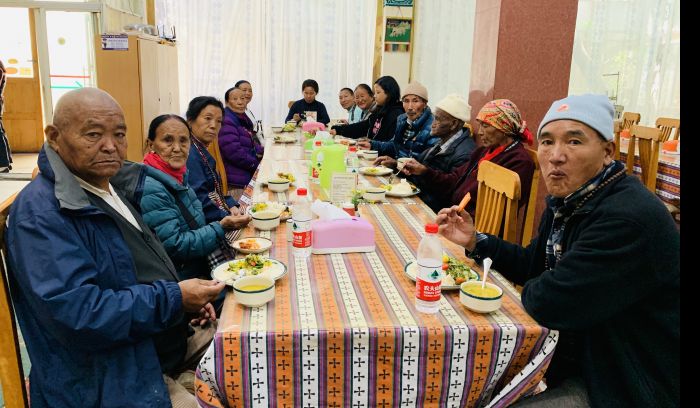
[[667, 125], [11, 371], [617, 127], [289, 104], [629, 119], [35, 172], [497, 200], [531, 206], [647, 138]]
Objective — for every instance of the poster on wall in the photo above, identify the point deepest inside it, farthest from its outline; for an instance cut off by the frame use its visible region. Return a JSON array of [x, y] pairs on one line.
[[398, 30], [398, 3]]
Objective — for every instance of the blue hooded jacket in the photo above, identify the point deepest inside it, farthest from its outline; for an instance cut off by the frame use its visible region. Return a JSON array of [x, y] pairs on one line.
[[412, 146], [87, 322], [187, 248]]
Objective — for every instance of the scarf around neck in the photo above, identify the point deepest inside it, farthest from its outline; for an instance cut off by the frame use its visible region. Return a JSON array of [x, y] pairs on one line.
[[152, 159], [564, 207]]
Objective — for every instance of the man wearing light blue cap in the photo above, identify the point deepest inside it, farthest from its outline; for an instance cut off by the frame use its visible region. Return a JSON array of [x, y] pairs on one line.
[[604, 269]]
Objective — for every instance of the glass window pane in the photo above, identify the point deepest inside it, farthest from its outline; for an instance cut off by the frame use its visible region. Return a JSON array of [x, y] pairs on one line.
[[15, 42], [71, 55]]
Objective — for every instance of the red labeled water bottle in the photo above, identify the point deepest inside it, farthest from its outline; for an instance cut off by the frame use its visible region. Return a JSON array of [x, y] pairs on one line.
[[301, 225], [429, 275]]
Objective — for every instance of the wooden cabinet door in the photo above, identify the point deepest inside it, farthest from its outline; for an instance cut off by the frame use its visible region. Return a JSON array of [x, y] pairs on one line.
[[23, 118], [150, 82]]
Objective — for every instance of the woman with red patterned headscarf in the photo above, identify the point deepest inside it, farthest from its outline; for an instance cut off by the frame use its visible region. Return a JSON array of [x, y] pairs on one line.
[[502, 133]]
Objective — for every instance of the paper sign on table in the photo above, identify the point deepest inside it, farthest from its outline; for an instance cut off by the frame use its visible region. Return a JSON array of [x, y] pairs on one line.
[[342, 185]]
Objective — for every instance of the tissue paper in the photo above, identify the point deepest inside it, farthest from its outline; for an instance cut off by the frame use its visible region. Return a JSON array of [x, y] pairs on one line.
[[327, 211]]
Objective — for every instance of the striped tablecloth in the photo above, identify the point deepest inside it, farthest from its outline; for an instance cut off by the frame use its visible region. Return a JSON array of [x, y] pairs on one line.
[[668, 179], [343, 331]]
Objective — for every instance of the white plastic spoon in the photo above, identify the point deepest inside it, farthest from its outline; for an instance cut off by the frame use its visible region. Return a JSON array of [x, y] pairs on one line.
[[487, 266]]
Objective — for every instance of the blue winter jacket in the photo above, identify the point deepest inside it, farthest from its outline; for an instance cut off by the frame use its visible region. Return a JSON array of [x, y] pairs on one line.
[[187, 248], [86, 321], [417, 141], [201, 179]]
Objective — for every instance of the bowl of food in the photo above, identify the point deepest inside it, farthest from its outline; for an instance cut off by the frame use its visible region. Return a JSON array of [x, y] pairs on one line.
[[278, 184], [370, 154], [254, 291], [482, 300], [401, 161], [374, 194], [265, 220], [252, 245]]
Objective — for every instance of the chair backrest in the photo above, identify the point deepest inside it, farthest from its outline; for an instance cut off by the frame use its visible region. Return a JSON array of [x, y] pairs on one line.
[[497, 200], [647, 140], [35, 172], [667, 125], [531, 206], [11, 372], [617, 127], [629, 119], [289, 104]]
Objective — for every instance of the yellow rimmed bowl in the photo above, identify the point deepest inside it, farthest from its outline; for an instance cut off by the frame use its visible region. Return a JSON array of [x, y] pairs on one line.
[[485, 300], [254, 291]]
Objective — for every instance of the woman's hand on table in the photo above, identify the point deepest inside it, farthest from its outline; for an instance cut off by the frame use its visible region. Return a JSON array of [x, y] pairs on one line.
[[385, 161], [296, 117], [235, 221], [205, 315], [457, 226], [332, 132], [413, 167]]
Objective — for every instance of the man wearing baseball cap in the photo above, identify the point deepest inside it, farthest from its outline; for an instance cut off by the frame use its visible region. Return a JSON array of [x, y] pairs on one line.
[[412, 134], [604, 269]]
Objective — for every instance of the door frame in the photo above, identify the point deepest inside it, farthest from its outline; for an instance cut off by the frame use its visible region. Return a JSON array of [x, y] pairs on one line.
[[40, 35]]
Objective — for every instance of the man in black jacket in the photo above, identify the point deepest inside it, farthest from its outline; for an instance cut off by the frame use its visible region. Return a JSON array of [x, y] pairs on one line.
[[604, 269]]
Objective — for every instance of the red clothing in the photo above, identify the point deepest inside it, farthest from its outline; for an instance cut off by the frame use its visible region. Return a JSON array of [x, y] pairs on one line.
[[460, 180]]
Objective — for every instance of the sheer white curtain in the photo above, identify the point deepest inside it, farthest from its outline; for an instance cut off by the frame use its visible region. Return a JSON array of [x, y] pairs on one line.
[[442, 56], [275, 45], [638, 39]]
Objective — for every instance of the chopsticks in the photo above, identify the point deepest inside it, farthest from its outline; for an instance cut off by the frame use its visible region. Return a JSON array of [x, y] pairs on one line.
[[464, 202]]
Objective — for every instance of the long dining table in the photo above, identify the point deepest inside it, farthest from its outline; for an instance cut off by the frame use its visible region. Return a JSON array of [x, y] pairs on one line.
[[342, 329], [668, 179]]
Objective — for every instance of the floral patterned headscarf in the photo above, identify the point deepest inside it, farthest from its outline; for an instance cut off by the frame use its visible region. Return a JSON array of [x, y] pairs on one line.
[[505, 116]]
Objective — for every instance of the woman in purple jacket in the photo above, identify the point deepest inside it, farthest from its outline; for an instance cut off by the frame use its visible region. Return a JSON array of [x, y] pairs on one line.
[[240, 148]]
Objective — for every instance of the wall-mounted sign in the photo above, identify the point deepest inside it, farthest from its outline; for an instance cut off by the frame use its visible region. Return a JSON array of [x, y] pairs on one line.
[[399, 3], [118, 42]]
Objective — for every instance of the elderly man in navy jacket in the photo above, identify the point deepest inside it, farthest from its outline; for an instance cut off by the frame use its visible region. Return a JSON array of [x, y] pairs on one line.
[[100, 304]]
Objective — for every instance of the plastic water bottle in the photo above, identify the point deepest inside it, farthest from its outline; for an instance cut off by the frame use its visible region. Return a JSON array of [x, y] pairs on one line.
[[353, 161], [429, 276], [316, 163], [301, 224]]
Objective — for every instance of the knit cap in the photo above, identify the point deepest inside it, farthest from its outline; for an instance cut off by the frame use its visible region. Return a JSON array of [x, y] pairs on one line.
[[415, 88], [596, 111]]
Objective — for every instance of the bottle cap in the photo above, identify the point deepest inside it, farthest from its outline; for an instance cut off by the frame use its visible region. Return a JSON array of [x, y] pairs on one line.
[[302, 192], [317, 143], [431, 228], [352, 149]]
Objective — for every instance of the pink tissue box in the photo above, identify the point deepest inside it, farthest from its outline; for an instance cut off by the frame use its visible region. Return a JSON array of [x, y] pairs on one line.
[[309, 126], [342, 236]]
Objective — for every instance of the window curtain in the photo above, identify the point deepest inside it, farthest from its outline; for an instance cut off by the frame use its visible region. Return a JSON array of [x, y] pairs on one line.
[[638, 39], [275, 45], [442, 56]]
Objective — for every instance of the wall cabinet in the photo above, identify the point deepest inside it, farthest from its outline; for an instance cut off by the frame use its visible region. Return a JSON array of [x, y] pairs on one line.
[[144, 80]]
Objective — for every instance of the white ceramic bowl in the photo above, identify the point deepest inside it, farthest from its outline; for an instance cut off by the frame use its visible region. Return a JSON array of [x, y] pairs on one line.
[[254, 298], [481, 304], [265, 220], [370, 154], [278, 185], [374, 194], [402, 160]]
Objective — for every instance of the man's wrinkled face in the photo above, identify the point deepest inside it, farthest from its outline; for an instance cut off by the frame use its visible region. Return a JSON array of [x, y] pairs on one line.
[[571, 153], [92, 142], [414, 106]]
